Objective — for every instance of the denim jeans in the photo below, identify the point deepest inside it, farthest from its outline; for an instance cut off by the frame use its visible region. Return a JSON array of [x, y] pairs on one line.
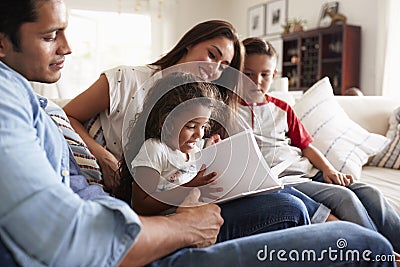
[[327, 241], [261, 213], [359, 203], [318, 212]]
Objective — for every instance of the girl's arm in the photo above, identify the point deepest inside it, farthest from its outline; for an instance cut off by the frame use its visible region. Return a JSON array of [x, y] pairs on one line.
[[145, 198], [147, 201], [331, 175], [85, 106]]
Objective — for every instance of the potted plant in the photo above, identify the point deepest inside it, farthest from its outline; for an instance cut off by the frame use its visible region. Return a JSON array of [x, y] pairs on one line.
[[298, 24], [287, 26]]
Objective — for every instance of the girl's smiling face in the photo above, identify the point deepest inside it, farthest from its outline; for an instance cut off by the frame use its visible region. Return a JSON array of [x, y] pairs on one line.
[[188, 128]]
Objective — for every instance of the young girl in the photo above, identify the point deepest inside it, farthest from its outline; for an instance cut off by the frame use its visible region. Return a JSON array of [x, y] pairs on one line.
[[213, 41], [163, 140], [280, 134], [175, 117]]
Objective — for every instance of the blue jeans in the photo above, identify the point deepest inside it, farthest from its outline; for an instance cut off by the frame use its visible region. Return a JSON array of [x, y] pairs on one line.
[[261, 213], [262, 249], [267, 212], [359, 203]]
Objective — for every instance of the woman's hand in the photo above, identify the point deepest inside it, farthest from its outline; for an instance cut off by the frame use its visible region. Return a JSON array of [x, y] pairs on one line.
[[109, 168]]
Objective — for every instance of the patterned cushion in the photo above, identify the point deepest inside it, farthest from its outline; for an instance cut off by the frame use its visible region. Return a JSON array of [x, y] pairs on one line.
[[344, 143], [389, 157], [86, 161]]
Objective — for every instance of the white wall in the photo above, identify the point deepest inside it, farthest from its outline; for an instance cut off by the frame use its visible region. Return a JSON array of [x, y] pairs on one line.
[[369, 14], [180, 15]]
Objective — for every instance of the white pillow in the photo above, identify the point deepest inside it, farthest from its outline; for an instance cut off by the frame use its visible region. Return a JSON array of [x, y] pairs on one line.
[[389, 157], [344, 143]]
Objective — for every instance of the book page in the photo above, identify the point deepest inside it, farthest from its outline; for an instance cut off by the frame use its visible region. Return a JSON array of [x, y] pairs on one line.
[[241, 169]]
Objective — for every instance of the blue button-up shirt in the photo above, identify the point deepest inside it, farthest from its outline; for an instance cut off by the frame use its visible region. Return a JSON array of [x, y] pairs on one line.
[[42, 221]]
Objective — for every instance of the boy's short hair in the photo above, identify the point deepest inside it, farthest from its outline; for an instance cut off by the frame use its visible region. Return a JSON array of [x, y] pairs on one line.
[[254, 45]]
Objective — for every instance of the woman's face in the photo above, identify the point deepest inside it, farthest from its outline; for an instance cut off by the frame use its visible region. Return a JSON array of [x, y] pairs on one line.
[[211, 57]]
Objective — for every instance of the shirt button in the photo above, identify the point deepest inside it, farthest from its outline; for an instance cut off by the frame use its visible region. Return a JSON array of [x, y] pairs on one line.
[[64, 172]]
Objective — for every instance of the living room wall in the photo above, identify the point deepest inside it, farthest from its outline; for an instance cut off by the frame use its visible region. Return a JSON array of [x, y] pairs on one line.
[[369, 14], [177, 16]]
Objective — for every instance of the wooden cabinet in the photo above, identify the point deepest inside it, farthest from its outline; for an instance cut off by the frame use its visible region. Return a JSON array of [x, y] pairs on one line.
[[308, 56]]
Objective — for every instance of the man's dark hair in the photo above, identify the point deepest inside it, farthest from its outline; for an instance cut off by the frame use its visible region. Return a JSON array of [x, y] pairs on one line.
[[13, 13]]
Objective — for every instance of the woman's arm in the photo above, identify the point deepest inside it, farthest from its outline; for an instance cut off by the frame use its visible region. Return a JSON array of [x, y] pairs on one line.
[[331, 175], [85, 106]]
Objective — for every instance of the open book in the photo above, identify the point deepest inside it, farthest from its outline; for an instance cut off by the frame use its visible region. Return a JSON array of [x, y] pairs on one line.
[[241, 169]]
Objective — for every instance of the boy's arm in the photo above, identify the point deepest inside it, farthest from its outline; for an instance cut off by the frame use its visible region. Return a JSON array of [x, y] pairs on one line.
[[330, 174]]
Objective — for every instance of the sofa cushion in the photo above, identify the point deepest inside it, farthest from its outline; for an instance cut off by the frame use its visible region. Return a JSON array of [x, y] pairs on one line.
[[85, 159], [387, 180], [389, 157], [344, 143]]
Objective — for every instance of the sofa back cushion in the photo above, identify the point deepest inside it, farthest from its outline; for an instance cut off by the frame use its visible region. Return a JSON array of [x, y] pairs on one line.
[[344, 143], [370, 112]]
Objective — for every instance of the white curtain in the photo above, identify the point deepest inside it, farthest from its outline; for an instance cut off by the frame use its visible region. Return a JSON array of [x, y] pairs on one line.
[[391, 81]]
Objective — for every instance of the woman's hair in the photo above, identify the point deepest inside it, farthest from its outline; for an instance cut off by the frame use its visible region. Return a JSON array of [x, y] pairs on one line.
[[177, 92], [254, 45], [203, 32], [15, 13]]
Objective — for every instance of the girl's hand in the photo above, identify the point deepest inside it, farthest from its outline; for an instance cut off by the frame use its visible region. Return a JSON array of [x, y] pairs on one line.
[[200, 179], [213, 140], [335, 177]]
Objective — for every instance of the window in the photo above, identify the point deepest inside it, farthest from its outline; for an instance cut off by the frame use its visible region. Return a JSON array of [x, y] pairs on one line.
[[102, 40]]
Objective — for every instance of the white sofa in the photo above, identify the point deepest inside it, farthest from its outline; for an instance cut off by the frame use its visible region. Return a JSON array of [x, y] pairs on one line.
[[373, 113]]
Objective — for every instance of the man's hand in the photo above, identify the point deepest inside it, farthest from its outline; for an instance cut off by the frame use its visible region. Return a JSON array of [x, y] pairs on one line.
[[200, 223]]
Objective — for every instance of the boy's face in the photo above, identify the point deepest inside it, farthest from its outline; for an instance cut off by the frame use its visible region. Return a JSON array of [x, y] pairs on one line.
[[261, 69], [43, 44]]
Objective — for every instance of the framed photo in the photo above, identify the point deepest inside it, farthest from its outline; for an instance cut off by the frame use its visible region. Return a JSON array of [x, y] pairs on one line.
[[256, 20], [276, 16], [277, 43], [325, 19]]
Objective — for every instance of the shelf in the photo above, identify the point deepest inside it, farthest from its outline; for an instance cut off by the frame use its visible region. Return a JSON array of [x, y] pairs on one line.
[[289, 64], [311, 55], [332, 60]]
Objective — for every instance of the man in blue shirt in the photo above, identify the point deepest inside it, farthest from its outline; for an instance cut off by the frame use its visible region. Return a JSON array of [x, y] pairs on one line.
[[44, 223]]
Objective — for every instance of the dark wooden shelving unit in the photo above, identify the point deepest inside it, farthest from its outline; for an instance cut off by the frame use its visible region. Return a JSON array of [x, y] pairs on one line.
[[334, 52]]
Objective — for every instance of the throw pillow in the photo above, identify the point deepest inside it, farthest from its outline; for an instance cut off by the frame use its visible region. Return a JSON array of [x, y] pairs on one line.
[[85, 159], [389, 157], [344, 143]]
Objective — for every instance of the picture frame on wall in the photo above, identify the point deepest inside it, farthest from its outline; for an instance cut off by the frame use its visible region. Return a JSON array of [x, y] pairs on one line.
[[276, 16], [325, 19], [256, 21]]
